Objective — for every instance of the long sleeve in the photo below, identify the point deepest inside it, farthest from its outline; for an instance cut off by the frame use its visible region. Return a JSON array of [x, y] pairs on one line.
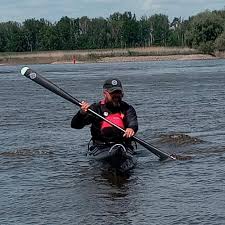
[[131, 119], [80, 120]]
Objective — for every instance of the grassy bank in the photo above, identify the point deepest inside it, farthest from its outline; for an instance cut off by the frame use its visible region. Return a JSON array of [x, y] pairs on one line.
[[81, 56]]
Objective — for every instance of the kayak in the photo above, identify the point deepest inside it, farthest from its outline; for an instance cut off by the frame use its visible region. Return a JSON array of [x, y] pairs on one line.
[[117, 156]]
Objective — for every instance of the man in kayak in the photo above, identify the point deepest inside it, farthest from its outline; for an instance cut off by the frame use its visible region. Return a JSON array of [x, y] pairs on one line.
[[113, 109]]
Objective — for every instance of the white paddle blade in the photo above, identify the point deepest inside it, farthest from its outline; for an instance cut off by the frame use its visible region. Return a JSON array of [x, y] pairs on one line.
[[24, 70]]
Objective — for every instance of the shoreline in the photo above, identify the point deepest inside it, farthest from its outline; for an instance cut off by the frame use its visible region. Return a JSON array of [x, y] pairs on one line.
[[105, 56], [118, 59]]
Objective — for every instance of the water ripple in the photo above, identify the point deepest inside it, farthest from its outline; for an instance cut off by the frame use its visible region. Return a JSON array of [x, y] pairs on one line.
[[46, 178]]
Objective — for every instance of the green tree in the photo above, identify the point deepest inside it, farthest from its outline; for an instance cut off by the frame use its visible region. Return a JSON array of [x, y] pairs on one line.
[[84, 32], [67, 31], [3, 37], [115, 24], [98, 33], [204, 30], [129, 30], [176, 32], [145, 36], [11, 37], [48, 36], [159, 25], [31, 29]]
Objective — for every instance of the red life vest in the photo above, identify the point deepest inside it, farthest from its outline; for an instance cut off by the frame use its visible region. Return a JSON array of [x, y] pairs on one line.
[[116, 118]]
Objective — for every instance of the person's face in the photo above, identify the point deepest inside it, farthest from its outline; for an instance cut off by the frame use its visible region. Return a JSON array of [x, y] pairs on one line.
[[114, 97]]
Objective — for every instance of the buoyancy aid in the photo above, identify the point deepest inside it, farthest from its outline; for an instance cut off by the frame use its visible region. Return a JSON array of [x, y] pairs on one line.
[[116, 118]]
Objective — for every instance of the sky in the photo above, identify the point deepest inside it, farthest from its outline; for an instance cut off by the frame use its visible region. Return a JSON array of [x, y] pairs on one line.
[[53, 10]]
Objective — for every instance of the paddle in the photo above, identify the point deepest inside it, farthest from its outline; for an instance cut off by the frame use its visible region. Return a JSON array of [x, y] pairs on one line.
[[52, 87]]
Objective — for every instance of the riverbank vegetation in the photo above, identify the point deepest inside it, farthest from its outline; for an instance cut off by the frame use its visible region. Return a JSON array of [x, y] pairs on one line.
[[121, 34], [106, 55]]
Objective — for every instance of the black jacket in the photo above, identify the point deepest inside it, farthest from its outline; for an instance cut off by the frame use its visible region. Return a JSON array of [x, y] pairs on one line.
[[130, 121]]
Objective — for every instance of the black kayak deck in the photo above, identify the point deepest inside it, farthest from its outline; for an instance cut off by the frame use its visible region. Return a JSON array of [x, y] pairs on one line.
[[117, 156]]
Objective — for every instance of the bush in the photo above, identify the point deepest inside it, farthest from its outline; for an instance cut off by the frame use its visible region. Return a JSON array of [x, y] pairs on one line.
[[220, 42], [207, 47]]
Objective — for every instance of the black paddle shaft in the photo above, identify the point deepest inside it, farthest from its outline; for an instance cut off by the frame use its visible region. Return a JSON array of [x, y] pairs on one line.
[[37, 78]]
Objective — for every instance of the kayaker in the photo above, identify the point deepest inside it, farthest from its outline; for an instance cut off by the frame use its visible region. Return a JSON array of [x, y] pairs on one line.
[[112, 108]]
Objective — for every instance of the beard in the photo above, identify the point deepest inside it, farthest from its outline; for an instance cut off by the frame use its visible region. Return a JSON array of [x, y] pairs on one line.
[[114, 103]]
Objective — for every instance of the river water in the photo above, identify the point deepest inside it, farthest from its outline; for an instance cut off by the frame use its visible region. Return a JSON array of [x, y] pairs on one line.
[[46, 178]]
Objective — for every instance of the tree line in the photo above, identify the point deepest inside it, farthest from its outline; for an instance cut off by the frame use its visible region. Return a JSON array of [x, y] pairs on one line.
[[204, 31]]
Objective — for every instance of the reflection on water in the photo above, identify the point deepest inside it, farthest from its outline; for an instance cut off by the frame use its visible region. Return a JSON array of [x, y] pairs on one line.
[[46, 177], [114, 178]]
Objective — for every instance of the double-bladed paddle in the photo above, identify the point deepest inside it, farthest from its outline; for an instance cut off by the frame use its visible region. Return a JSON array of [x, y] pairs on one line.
[[34, 76]]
